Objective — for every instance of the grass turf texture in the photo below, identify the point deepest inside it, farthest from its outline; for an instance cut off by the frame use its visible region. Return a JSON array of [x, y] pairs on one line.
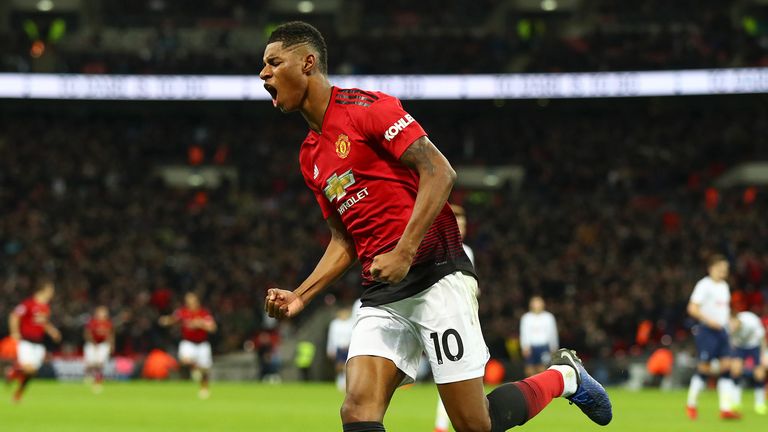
[[173, 406]]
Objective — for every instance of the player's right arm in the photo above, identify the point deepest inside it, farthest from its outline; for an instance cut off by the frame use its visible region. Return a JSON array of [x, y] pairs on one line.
[[525, 345], [338, 257], [87, 333], [168, 320], [698, 297], [53, 332], [694, 310]]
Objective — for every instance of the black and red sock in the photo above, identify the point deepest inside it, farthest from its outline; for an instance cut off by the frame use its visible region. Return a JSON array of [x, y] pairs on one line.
[[515, 403]]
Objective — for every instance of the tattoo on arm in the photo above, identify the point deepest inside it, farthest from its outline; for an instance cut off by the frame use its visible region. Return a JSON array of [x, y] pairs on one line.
[[420, 156]]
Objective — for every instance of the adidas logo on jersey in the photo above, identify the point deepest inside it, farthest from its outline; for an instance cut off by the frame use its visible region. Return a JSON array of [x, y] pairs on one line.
[[398, 126]]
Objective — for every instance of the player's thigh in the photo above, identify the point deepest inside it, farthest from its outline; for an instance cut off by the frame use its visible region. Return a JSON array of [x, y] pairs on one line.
[[371, 382], [204, 356], [187, 351], [30, 356], [383, 332], [89, 353], [384, 353], [450, 330], [736, 366], [466, 404], [102, 353]]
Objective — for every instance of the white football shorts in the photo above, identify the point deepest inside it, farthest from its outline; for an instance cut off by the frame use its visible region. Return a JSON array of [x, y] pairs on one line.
[[96, 353], [198, 354], [441, 321], [30, 354]]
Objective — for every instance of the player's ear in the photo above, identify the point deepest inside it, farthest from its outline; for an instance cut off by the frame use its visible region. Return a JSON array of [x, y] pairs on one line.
[[310, 62]]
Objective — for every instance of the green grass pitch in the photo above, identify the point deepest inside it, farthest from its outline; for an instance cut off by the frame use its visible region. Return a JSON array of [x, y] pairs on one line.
[[173, 406]]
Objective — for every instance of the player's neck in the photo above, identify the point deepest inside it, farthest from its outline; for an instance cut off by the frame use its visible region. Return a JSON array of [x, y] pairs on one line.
[[316, 103]]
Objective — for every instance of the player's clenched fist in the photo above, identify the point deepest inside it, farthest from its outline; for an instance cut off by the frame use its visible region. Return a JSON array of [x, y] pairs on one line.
[[391, 267], [282, 303]]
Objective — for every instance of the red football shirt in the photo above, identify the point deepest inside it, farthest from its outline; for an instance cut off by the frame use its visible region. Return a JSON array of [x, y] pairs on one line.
[[33, 317], [187, 317], [100, 330], [353, 167]]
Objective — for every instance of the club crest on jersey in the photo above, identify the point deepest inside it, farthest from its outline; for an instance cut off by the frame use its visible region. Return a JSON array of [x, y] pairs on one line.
[[338, 184], [342, 146]]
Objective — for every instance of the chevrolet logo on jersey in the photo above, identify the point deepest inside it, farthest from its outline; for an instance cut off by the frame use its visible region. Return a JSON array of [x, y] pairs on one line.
[[337, 185]]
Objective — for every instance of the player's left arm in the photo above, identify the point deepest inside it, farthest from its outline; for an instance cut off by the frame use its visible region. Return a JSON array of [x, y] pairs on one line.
[[53, 332], [436, 179], [208, 324]]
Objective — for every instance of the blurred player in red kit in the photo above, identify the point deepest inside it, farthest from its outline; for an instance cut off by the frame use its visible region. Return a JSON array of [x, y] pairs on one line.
[[383, 187], [99, 344], [194, 350], [29, 323]]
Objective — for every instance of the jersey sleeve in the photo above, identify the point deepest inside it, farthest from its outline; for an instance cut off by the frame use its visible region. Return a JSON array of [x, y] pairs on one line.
[[386, 124], [699, 293]]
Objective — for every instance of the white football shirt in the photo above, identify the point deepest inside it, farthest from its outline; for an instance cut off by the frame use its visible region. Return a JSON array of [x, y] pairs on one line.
[[539, 329], [751, 331], [714, 300]]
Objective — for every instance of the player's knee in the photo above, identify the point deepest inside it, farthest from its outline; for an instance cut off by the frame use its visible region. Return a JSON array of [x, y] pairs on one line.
[[472, 423], [359, 407]]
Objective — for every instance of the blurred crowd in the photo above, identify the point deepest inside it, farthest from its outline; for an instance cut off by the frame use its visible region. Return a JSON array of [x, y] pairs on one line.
[[612, 223], [402, 37]]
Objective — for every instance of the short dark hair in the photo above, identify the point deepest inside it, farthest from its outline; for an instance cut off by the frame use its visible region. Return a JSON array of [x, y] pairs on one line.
[[716, 258], [298, 32], [41, 282]]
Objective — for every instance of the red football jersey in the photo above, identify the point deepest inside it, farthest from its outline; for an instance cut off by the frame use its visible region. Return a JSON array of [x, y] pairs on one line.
[[354, 169], [187, 316], [33, 318], [100, 330]]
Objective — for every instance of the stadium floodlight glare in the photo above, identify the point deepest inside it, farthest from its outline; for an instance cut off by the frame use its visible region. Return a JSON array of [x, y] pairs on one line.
[[549, 5], [305, 6], [406, 87], [45, 5]]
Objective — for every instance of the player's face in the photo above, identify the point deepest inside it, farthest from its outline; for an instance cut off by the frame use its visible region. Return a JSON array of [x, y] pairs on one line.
[[191, 301], [719, 270], [284, 75], [46, 293], [101, 313], [537, 304]]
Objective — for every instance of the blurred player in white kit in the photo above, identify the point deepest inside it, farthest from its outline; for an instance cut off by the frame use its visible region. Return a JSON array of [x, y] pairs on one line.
[[748, 340], [710, 305], [339, 337], [538, 336]]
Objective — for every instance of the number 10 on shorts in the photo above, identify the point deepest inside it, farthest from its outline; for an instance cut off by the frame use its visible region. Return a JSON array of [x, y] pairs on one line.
[[446, 346]]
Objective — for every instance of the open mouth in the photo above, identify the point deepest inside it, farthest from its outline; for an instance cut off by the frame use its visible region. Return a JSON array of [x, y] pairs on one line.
[[272, 92]]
